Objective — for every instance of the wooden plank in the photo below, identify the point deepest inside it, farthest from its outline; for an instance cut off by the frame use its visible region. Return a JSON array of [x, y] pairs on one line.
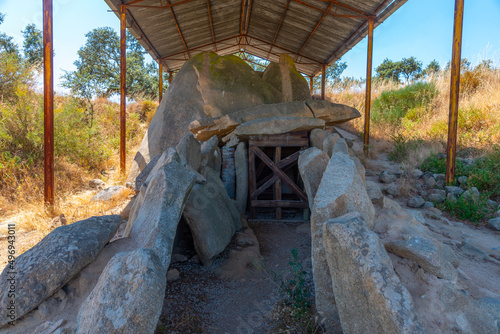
[[294, 139], [284, 165], [280, 204], [279, 173], [251, 178], [277, 185]]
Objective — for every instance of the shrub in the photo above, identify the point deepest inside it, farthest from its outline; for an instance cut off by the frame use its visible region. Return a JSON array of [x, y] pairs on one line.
[[471, 208], [394, 105], [402, 147]]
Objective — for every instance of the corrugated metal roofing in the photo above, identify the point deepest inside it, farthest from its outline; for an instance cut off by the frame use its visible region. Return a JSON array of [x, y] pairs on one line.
[[313, 32]]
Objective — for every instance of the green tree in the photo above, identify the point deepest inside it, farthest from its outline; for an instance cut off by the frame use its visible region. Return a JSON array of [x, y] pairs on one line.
[[432, 68], [410, 68], [388, 70], [484, 65], [33, 44], [257, 63], [98, 68], [332, 75], [6, 42]]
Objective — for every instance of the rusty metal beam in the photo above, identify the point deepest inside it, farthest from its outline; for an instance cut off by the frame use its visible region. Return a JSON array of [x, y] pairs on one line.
[[247, 19], [287, 50], [197, 48], [368, 94], [178, 27], [363, 15], [311, 82], [242, 13], [323, 81], [160, 82], [279, 28], [451, 149], [341, 4], [48, 102], [123, 93], [162, 6], [170, 77], [211, 24], [314, 30]]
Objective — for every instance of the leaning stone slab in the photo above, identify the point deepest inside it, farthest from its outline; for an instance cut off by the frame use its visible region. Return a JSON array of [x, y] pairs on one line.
[[329, 143], [317, 137], [312, 165], [189, 150], [341, 191], [332, 113], [128, 297], [430, 254], [370, 298], [212, 217], [277, 125], [143, 175], [53, 262], [207, 151], [163, 198]]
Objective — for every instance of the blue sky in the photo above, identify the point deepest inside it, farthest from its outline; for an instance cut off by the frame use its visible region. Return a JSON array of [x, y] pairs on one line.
[[420, 28]]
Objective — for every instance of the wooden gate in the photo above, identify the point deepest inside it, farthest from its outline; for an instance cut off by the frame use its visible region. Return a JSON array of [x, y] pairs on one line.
[[285, 150]]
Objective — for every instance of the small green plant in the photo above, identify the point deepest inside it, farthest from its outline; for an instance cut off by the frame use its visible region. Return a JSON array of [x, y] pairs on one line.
[[473, 208], [294, 288], [402, 147]]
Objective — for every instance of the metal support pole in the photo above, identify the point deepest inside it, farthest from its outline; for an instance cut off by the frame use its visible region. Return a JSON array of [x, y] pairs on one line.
[[123, 93], [311, 81], [368, 94], [323, 79], [160, 84], [170, 77], [48, 102], [451, 149]]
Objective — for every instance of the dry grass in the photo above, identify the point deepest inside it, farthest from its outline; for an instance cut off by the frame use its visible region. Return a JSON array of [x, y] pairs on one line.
[[478, 124]]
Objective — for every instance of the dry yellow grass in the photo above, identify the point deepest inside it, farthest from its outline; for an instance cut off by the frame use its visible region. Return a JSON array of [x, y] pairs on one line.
[[478, 125]]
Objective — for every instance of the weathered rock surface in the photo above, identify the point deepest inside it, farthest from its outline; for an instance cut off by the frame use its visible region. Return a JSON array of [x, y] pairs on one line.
[[416, 202], [54, 261], [143, 175], [312, 165], [430, 254], [332, 113], [341, 191], [189, 150], [128, 297], [495, 223], [207, 151], [107, 193], [370, 298], [277, 125], [224, 125], [163, 197], [241, 166], [374, 191], [317, 137], [97, 184], [285, 78], [329, 143], [340, 146], [212, 217], [207, 86]]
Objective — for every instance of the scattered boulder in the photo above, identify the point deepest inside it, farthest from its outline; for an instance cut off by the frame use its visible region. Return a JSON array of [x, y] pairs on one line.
[[392, 189], [173, 275], [312, 164], [416, 202], [341, 191], [332, 113], [317, 137], [495, 223], [286, 79], [417, 173], [433, 256], [128, 297], [107, 193], [370, 298], [374, 191], [390, 204], [471, 193], [451, 197], [340, 146], [462, 180], [329, 143], [457, 191], [276, 125], [97, 184], [430, 182], [54, 261], [159, 207], [241, 167], [189, 150], [386, 177], [437, 195], [212, 217]]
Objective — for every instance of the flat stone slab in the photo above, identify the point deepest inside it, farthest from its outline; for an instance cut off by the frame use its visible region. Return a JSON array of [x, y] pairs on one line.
[[53, 262]]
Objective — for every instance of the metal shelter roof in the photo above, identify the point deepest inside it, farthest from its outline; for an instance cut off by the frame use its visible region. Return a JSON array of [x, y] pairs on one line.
[[313, 32]]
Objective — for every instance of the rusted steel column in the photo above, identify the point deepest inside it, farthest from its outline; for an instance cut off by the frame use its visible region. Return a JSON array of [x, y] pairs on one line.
[[323, 81], [451, 150], [311, 80], [160, 84], [123, 93], [368, 94], [170, 77], [48, 103]]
